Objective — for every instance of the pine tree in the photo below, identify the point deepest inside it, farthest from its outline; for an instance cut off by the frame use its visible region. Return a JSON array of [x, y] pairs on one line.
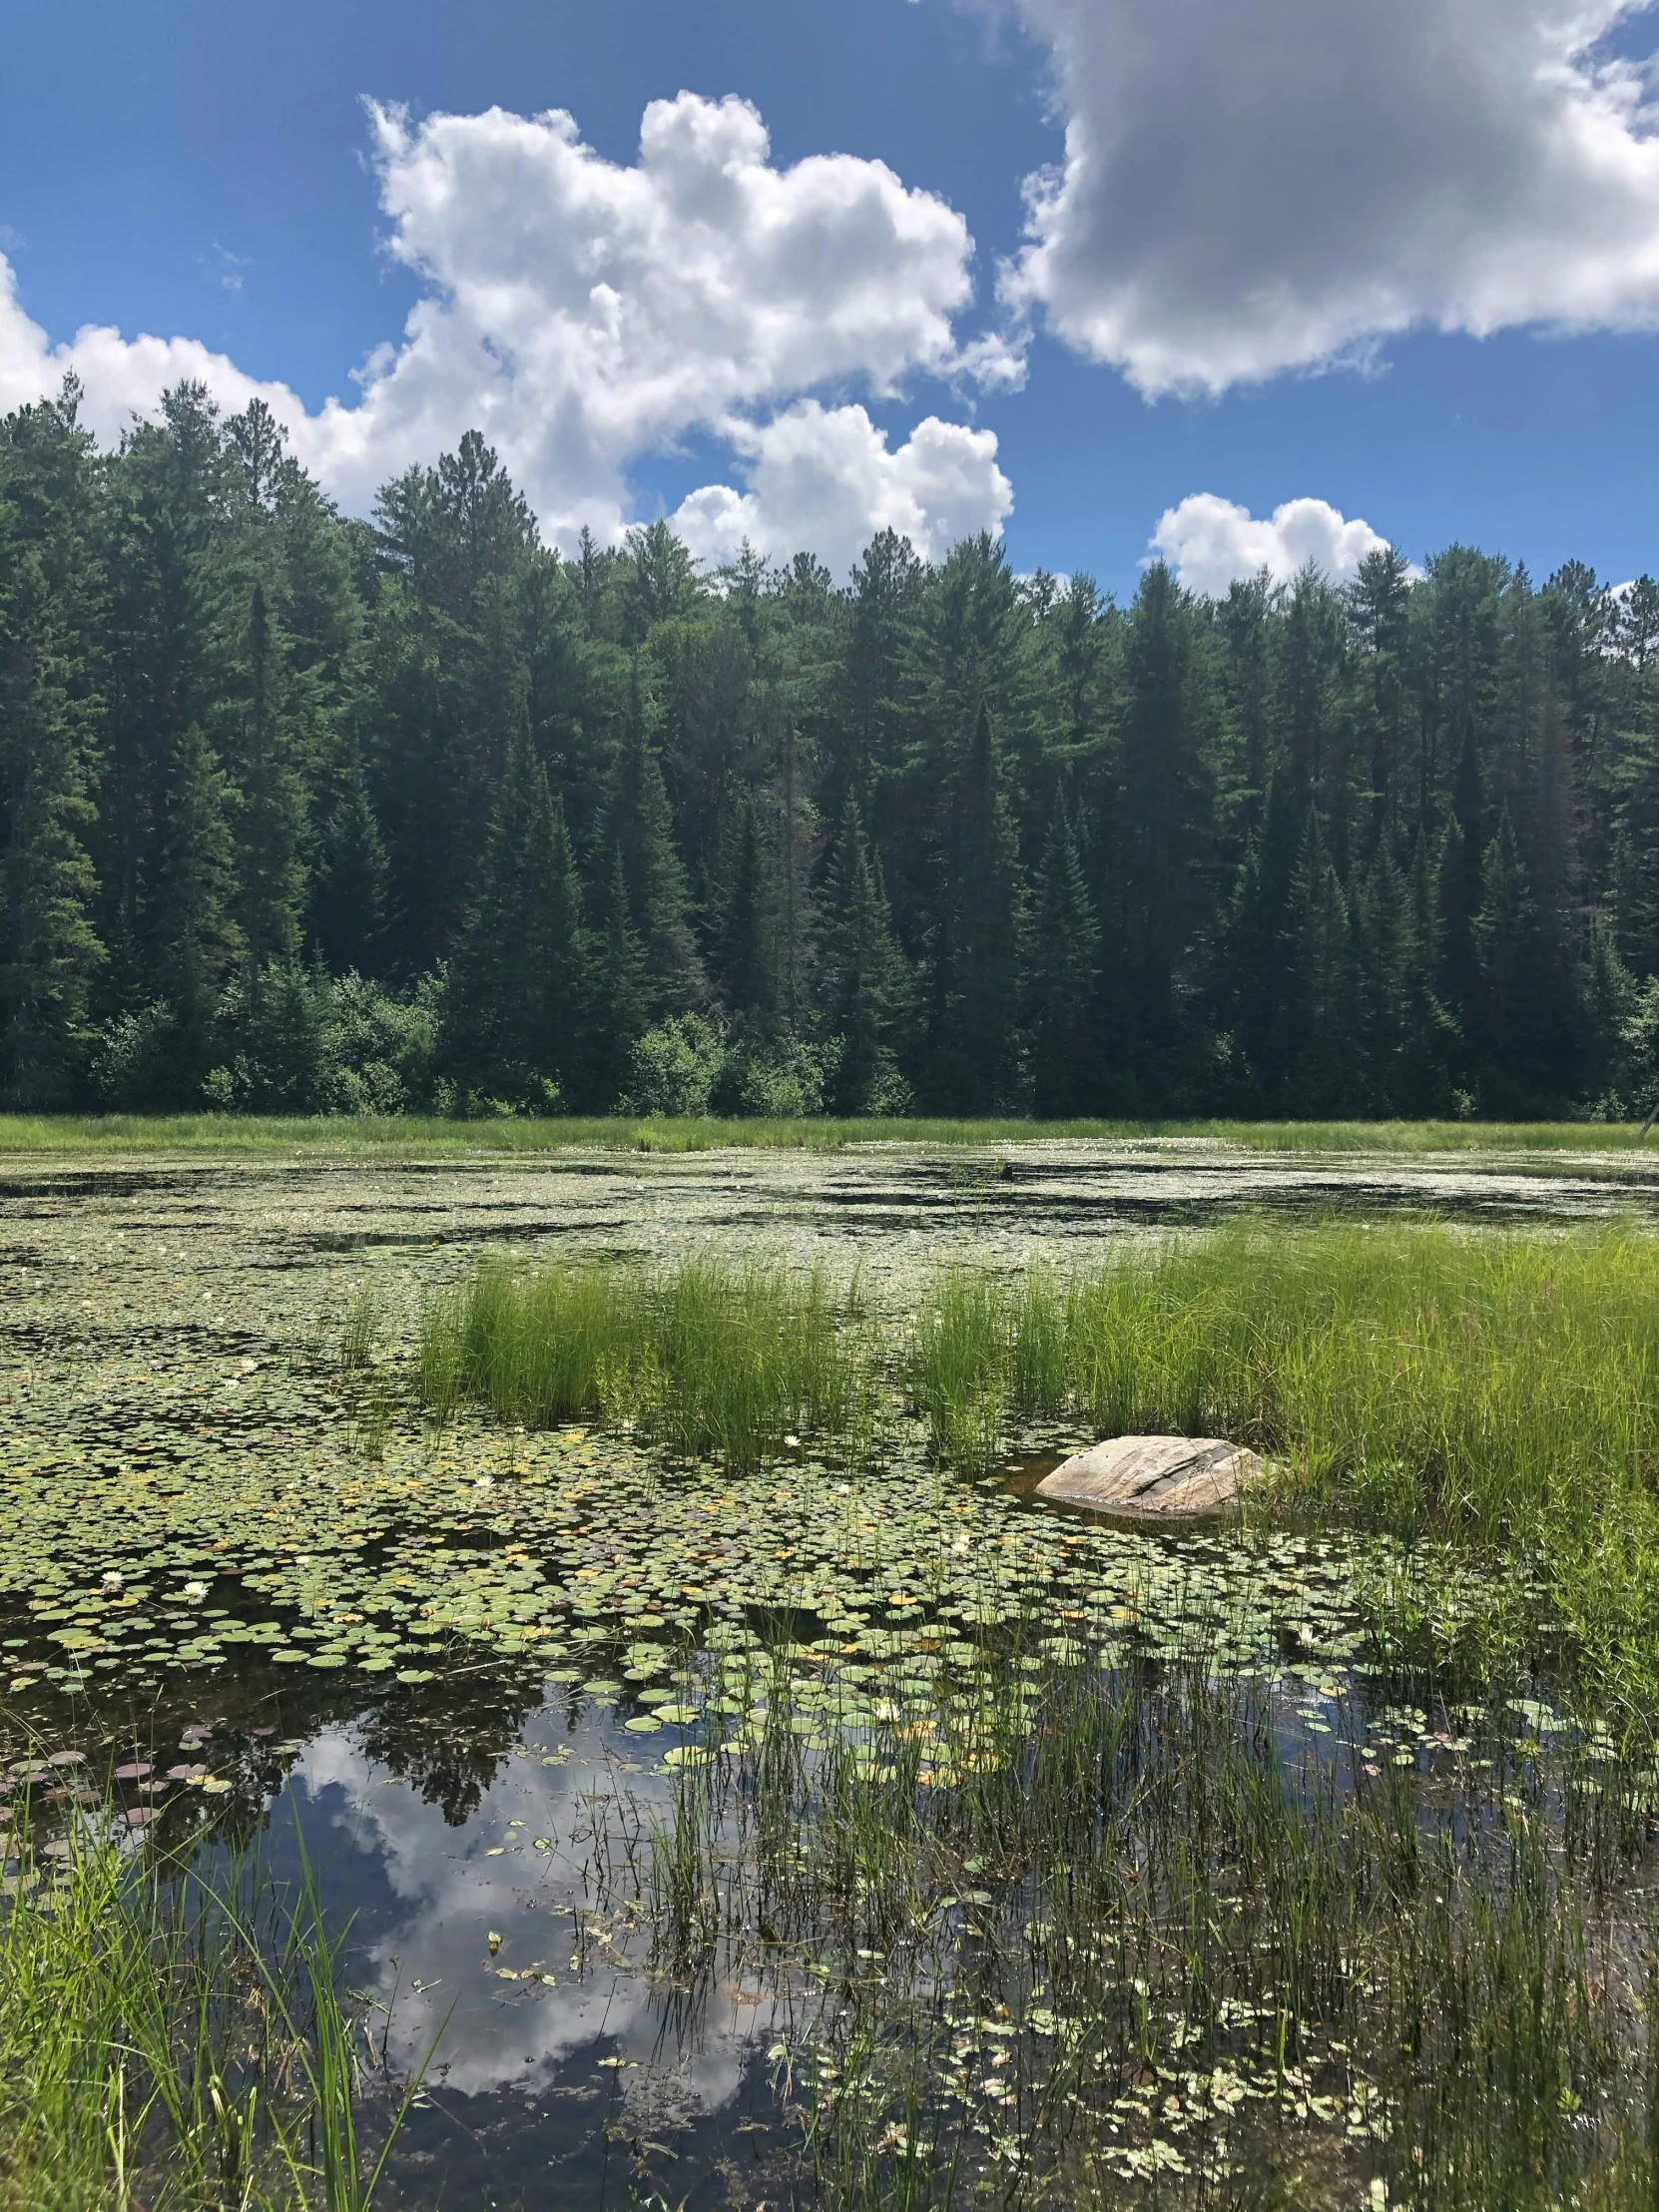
[[866, 993], [1065, 965], [49, 950]]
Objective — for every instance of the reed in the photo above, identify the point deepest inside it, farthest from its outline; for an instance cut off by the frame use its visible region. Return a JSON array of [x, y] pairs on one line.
[[174, 2042], [706, 1358], [1053, 1913]]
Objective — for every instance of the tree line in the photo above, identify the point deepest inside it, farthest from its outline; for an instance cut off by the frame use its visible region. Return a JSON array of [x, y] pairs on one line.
[[305, 813]]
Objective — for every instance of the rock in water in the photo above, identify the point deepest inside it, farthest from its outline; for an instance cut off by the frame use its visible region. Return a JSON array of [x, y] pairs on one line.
[[1154, 1475]]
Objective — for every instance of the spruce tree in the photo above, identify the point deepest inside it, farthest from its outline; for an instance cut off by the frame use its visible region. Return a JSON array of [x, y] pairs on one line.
[[350, 882], [1325, 1075], [1386, 950], [519, 985], [272, 810], [1432, 1036], [743, 949], [623, 1002], [642, 836], [197, 937], [1508, 938], [975, 1064], [1162, 826], [1065, 968], [866, 990], [1259, 950]]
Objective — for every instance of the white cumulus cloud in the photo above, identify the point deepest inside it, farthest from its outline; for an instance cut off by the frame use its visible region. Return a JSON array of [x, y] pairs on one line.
[[1253, 185], [582, 314], [1211, 543], [825, 478]]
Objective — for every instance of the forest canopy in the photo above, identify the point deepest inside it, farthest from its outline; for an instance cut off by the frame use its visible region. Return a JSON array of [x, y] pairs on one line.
[[303, 812]]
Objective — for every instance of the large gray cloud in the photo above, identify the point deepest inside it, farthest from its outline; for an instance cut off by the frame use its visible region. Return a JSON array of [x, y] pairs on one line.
[[1253, 185]]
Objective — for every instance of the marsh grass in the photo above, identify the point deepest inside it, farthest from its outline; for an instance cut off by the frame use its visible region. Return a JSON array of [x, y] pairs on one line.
[[172, 2043], [707, 1358], [1482, 1381], [1085, 1929], [1494, 1390], [426, 1137]]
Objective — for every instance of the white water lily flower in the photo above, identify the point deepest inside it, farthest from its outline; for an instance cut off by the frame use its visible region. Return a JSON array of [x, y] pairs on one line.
[[114, 1581], [195, 1590]]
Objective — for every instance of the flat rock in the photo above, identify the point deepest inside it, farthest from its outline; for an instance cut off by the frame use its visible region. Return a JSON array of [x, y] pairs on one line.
[[1155, 1476]]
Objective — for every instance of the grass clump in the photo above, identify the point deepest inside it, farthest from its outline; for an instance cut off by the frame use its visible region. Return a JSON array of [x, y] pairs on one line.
[[169, 2045], [1491, 1385], [1495, 1389], [707, 1358]]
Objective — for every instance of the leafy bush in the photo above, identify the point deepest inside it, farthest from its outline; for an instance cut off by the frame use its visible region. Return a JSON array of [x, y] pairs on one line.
[[302, 1043], [782, 1078], [673, 1069]]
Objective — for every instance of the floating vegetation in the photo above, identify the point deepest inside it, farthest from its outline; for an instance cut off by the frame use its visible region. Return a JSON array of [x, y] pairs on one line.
[[1097, 1926], [698, 1657]]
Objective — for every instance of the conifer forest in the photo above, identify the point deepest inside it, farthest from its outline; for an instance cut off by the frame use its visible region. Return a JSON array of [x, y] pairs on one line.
[[305, 813]]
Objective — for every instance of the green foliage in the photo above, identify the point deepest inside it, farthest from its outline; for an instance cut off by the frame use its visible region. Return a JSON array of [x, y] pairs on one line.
[[674, 1068], [174, 2041], [304, 1043], [956, 836]]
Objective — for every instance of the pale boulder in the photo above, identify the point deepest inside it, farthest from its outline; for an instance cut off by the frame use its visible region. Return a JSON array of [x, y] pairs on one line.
[[1155, 1476]]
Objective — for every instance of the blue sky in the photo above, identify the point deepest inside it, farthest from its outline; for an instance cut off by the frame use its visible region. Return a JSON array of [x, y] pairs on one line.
[[209, 174]]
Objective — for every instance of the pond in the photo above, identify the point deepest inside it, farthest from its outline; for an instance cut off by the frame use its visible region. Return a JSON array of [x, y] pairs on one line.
[[711, 1835]]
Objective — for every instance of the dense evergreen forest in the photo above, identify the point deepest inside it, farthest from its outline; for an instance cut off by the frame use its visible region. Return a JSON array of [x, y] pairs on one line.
[[305, 813]]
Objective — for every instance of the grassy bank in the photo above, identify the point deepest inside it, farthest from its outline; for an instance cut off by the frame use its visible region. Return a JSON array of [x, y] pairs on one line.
[[1497, 1390], [247, 1136]]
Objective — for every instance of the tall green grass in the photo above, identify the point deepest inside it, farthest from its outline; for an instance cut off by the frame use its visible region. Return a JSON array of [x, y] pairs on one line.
[[1499, 1390], [172, 2046], [706, 1358], [1496, 1388]]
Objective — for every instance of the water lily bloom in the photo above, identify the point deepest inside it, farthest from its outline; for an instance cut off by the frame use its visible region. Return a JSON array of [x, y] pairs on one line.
[[194, 1591], [114, 1581]]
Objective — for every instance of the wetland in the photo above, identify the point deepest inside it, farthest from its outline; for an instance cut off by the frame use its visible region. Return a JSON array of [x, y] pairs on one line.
[[542, 1679]]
